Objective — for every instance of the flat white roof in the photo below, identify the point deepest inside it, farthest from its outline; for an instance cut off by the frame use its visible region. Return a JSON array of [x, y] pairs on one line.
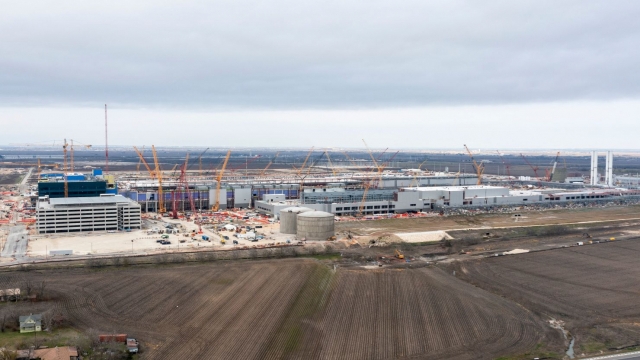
[[453, 188], [90, 200]]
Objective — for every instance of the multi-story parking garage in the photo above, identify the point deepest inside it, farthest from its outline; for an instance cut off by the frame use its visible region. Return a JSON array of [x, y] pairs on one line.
[[100, 213]]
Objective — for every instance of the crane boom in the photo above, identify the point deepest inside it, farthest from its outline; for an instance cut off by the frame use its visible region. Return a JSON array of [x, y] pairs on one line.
[[151, 172], [305, 161], [348, 158], [66, 184], [375, 163], [479, 168], [534, 168], [158, 172], [506, 166], [269, 164], [553, 169], [330, 164], [216, 206]]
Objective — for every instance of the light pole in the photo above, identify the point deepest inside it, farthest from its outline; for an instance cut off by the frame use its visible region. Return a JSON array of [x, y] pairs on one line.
[[132, 246]]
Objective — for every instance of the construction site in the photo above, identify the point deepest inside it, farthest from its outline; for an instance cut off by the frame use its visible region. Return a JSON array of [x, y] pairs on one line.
[[221, 223]]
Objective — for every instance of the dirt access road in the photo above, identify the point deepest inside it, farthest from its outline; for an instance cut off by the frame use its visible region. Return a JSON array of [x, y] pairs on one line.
[[461, 222]]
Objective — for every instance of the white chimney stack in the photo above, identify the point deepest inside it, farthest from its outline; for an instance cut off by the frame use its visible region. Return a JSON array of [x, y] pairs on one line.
[[594, 168]]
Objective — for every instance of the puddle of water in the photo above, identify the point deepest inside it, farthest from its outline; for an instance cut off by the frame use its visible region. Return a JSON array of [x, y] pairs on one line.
[[570, 349], [559, 324]]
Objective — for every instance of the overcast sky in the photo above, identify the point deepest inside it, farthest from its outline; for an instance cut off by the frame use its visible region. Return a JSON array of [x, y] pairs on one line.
[[403, 74]]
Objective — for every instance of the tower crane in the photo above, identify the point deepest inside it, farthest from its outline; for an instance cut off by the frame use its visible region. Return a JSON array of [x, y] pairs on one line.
[[216, 206], [65, 145], [158, 172], [415, 175], [200, 160], [479, 168], [333, 170], [553, 168], [151, 172], [349, 158], [299, 171], [507, 167], [71, 148], [375, 163], [534, 168], [141, 158], [269, 164]]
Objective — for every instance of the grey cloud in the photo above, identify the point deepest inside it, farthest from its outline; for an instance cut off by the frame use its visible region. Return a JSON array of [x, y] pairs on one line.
[[300, 54]]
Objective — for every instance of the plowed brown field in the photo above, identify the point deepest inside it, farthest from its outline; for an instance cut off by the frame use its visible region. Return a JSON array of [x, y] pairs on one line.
[[294, 309], [593, 288]]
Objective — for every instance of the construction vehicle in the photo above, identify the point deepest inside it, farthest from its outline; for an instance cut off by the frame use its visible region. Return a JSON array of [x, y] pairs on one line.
[[223, 241], [399, 255]]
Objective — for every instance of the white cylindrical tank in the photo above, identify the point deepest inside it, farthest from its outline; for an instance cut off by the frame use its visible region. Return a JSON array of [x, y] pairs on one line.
[[288, 219], [315, 225]]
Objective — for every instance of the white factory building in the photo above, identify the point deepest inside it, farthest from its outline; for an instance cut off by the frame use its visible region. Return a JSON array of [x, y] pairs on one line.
[[100, 213], [416, 199]]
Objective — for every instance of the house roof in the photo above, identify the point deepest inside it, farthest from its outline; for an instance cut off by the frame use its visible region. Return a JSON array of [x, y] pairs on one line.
[[34, 317], [56, 353]]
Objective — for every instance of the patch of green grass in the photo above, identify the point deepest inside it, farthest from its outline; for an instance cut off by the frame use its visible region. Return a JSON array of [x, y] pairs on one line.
[[60, 337], [326, 256], [592, 347]]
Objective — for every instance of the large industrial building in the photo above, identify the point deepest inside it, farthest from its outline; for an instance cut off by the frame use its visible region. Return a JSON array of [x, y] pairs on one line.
[[101, 213], [417, 199], [250, 193]]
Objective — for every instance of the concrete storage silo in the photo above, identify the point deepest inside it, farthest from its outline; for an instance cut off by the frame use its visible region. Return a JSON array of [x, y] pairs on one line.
[[315, 225], [288, 219]]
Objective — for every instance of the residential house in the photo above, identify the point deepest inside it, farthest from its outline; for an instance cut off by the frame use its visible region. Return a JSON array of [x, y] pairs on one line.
[[30, 323]]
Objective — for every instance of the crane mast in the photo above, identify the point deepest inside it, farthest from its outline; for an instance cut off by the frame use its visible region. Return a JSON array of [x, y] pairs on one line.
[[479, 168], [66, 184], [269, 164], [158, 172], [216, 206]]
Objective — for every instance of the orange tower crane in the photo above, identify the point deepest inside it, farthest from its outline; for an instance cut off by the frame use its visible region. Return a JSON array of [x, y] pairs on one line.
[[158, 172]]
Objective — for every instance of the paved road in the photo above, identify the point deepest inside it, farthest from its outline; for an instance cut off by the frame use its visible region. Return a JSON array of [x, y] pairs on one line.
[[16, 243], [627, 356]]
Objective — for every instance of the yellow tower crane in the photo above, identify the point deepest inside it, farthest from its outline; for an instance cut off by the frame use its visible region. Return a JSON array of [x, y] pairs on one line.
[[141, 156], [72, 149], [216, 206], [479, 168], [305, 161]]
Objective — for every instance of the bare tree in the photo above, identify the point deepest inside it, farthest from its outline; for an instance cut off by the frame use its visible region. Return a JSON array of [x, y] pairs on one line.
[[47, 320], [41, 289], [3, 322], [28, 287]]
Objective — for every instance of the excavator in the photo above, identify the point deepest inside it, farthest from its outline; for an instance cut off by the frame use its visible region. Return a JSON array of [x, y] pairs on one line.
[[399, 255]]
